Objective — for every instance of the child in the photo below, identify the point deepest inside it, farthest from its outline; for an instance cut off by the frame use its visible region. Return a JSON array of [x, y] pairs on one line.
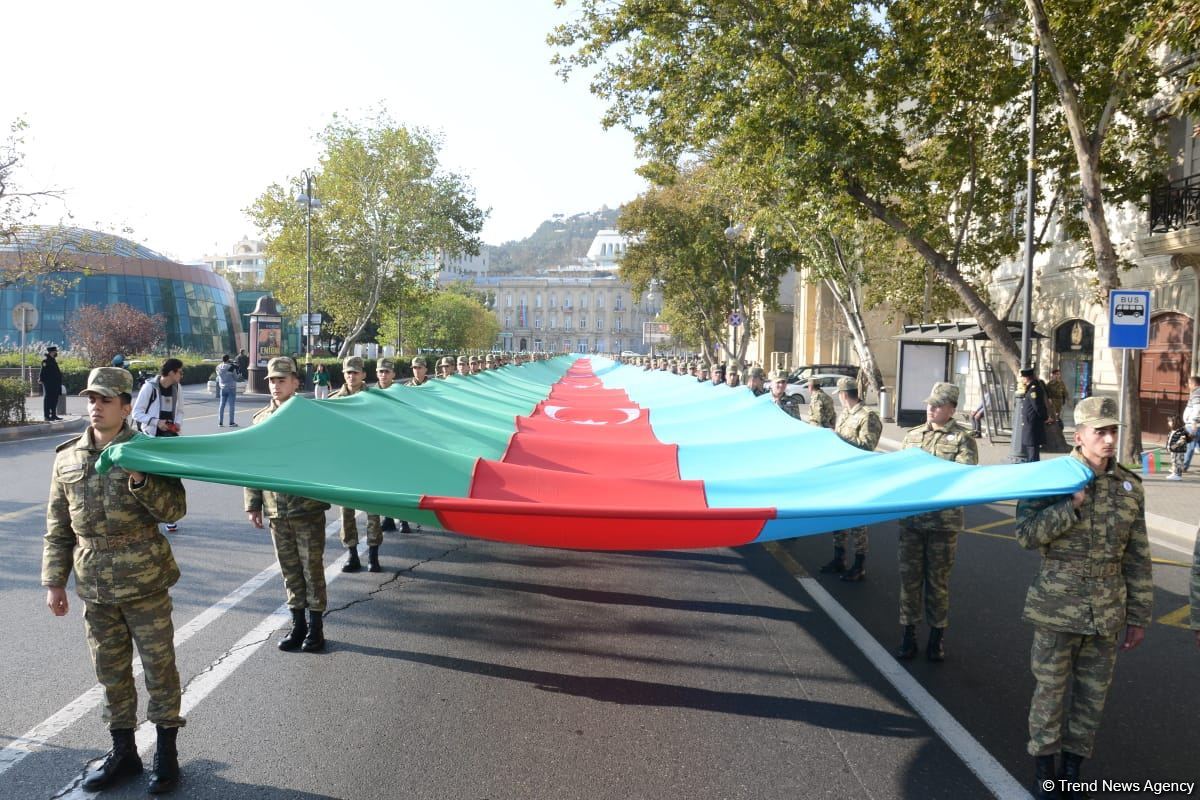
[[1177, 442]]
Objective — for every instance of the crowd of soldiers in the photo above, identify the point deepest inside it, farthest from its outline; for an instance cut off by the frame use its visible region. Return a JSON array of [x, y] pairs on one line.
[[1091, 598]]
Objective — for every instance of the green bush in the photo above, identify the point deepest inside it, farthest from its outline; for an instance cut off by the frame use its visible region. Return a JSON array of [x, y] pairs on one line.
[[12, 401]]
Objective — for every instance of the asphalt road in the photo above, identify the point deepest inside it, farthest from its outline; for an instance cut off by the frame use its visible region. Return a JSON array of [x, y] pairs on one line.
[[469, 669]]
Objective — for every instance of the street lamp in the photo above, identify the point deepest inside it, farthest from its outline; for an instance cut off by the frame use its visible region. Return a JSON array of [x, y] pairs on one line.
[[309, 202]]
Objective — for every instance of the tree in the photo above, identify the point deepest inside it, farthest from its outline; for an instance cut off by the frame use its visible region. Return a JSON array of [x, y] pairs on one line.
[[448, 321], [102, 332], [690, 237], [387, 209]]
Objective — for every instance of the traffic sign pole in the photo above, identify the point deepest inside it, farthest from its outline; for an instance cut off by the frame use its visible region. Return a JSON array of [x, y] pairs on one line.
[[1128, 329]]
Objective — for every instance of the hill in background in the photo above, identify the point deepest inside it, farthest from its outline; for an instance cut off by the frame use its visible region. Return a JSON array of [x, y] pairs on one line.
[[559, 241]]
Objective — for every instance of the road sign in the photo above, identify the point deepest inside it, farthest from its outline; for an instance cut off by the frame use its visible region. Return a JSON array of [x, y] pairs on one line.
[[1129, 319], [735, 319], [655, 332], [24, 317]]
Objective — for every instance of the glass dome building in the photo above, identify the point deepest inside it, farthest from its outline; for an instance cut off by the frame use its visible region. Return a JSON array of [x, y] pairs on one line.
[[198, 305]]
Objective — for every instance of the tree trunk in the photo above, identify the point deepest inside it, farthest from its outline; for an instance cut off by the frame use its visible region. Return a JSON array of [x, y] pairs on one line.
[[851, 309]]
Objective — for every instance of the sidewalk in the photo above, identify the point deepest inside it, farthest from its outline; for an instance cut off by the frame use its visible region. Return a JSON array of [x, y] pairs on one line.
[[1172, 507]]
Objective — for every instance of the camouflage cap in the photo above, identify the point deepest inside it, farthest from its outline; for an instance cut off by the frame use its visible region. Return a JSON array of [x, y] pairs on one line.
[[281, 367], [447, 361], [779, 375], [758, 372], [461, 360], [490, 357], [942, 394], [108, 382], [385, 363], [353, 364], [847, 385], [1097, 412], [419, 361], [472, 360]]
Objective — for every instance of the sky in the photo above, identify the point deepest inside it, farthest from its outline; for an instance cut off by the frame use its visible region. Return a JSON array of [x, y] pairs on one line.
[[169, 119]]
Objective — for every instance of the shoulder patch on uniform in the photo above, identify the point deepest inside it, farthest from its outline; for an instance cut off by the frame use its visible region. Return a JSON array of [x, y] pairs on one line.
[[1127, 474], [68, 443]]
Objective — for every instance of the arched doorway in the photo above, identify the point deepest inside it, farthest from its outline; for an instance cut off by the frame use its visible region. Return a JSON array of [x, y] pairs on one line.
[[1073, 347], [524, 345], [1166, 366]]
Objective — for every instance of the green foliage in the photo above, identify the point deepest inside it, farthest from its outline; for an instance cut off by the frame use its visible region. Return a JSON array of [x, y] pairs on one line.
[[12, 401], [556, 242], [448, 320], [387, 208]]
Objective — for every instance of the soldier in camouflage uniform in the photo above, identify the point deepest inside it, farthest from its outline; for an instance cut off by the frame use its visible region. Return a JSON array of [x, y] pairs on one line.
[[1056, 396], [105, 527], [354, 371], [733, 375], [820, 407], [756, 380], [297, 531], [779, 395], [928, 541], [860, 426], [420, 371], [445, 367], [1095, 582]]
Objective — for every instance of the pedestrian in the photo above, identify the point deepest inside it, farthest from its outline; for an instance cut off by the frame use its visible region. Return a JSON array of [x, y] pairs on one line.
[[1177, 445], [1056, 397], [105, 528], [227, 387], [50, 377], [158, 410], [928, 541], [297, 530], [321, 382], [420, 372], [980, 412], [1095, 581], [352, 369], [243, 364], [861, 427], [1191, 419], [757, 381], [1033, 415], [779, 396], [820, 406]]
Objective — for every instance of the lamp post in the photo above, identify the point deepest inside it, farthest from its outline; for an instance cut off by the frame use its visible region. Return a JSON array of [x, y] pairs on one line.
[[309, 202]]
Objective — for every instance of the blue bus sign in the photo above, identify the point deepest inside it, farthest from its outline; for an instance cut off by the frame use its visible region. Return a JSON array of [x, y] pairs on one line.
[[1129, 319]]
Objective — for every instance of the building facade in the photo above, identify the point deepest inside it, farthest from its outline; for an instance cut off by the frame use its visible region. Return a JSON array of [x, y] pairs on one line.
[[244, 266], [198, 306]]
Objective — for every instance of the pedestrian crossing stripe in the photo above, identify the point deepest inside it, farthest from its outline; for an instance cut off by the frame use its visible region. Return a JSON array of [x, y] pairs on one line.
[[989, 525], [1177, 618], [21, 512]]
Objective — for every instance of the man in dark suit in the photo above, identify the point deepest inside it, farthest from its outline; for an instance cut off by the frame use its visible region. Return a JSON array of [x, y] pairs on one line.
[[1033, 415], [50, 377]]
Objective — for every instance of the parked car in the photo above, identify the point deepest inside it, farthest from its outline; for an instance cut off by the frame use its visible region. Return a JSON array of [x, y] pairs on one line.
[[826, 382], [800, 374]]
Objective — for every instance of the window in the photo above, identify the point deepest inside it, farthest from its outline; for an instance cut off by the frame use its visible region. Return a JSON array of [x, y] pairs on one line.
[[582, 321], [553, 300], [617, 324], [537, 323], [508, 300], [507, 321], [620, 304], [583, 345], [599, 322], [599, 300], [537, 300], [583, 298]]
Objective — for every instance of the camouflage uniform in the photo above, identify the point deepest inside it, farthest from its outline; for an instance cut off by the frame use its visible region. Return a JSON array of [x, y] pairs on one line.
[[298, 533], [412, 381], [1056, 396], [106, 529], [928, 541], [820, 410], [1095, 579], [349, 523], [861, 427]]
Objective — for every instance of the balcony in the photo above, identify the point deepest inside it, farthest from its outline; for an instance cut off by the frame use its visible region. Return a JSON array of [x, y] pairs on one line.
[[1175, 206]]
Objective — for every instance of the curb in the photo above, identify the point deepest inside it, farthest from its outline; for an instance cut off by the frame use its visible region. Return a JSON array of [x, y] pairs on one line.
[[19, 432]]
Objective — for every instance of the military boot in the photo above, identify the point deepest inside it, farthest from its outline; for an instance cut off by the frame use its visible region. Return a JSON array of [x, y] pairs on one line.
[[856, 572], [1070, 772], [838, 564], [908, 644], [373, 558], [934, 650], [314, 642], [164, 774], [388, 524], [353, 564], [120, 762], [297, 633], [1044, 776]]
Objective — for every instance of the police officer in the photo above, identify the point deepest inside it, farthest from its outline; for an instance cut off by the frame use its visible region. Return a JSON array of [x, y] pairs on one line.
[[859, 426], [50, 377], [1093, 593], [352, 369], [105, 527], [1033, 415], [820, 407], [297, 531], [928, 541], [757, 381], [779, 394], [420, 371]]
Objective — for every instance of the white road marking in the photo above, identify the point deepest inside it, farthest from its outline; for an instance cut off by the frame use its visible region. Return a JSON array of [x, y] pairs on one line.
[[37, 736]]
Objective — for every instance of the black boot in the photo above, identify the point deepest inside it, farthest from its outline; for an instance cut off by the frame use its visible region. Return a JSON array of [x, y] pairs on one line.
[[164, 775], [404, 526], [908, 644], [315, 641], [389, 524], [353, 565], [856, 572], [120, 762], [934, 650], [1070, 772], [297, 633], [373, 558], [1044, 776], [838, 564]]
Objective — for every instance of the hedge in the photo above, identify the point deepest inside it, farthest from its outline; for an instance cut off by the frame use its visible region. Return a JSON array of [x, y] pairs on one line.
[[12, 401]]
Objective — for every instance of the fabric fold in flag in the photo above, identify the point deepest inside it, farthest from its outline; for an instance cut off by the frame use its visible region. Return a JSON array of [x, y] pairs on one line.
[[585, 453]]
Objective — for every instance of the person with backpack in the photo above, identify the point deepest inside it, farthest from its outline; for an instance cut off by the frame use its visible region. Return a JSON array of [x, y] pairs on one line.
[[158, 410]]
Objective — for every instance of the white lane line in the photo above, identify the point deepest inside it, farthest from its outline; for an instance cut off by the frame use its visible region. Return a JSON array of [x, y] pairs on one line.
[[989, 771], [212, 676], [37, 736]]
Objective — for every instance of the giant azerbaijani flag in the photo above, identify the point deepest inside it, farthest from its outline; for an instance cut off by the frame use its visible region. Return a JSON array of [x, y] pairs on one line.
[[585, 453]]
